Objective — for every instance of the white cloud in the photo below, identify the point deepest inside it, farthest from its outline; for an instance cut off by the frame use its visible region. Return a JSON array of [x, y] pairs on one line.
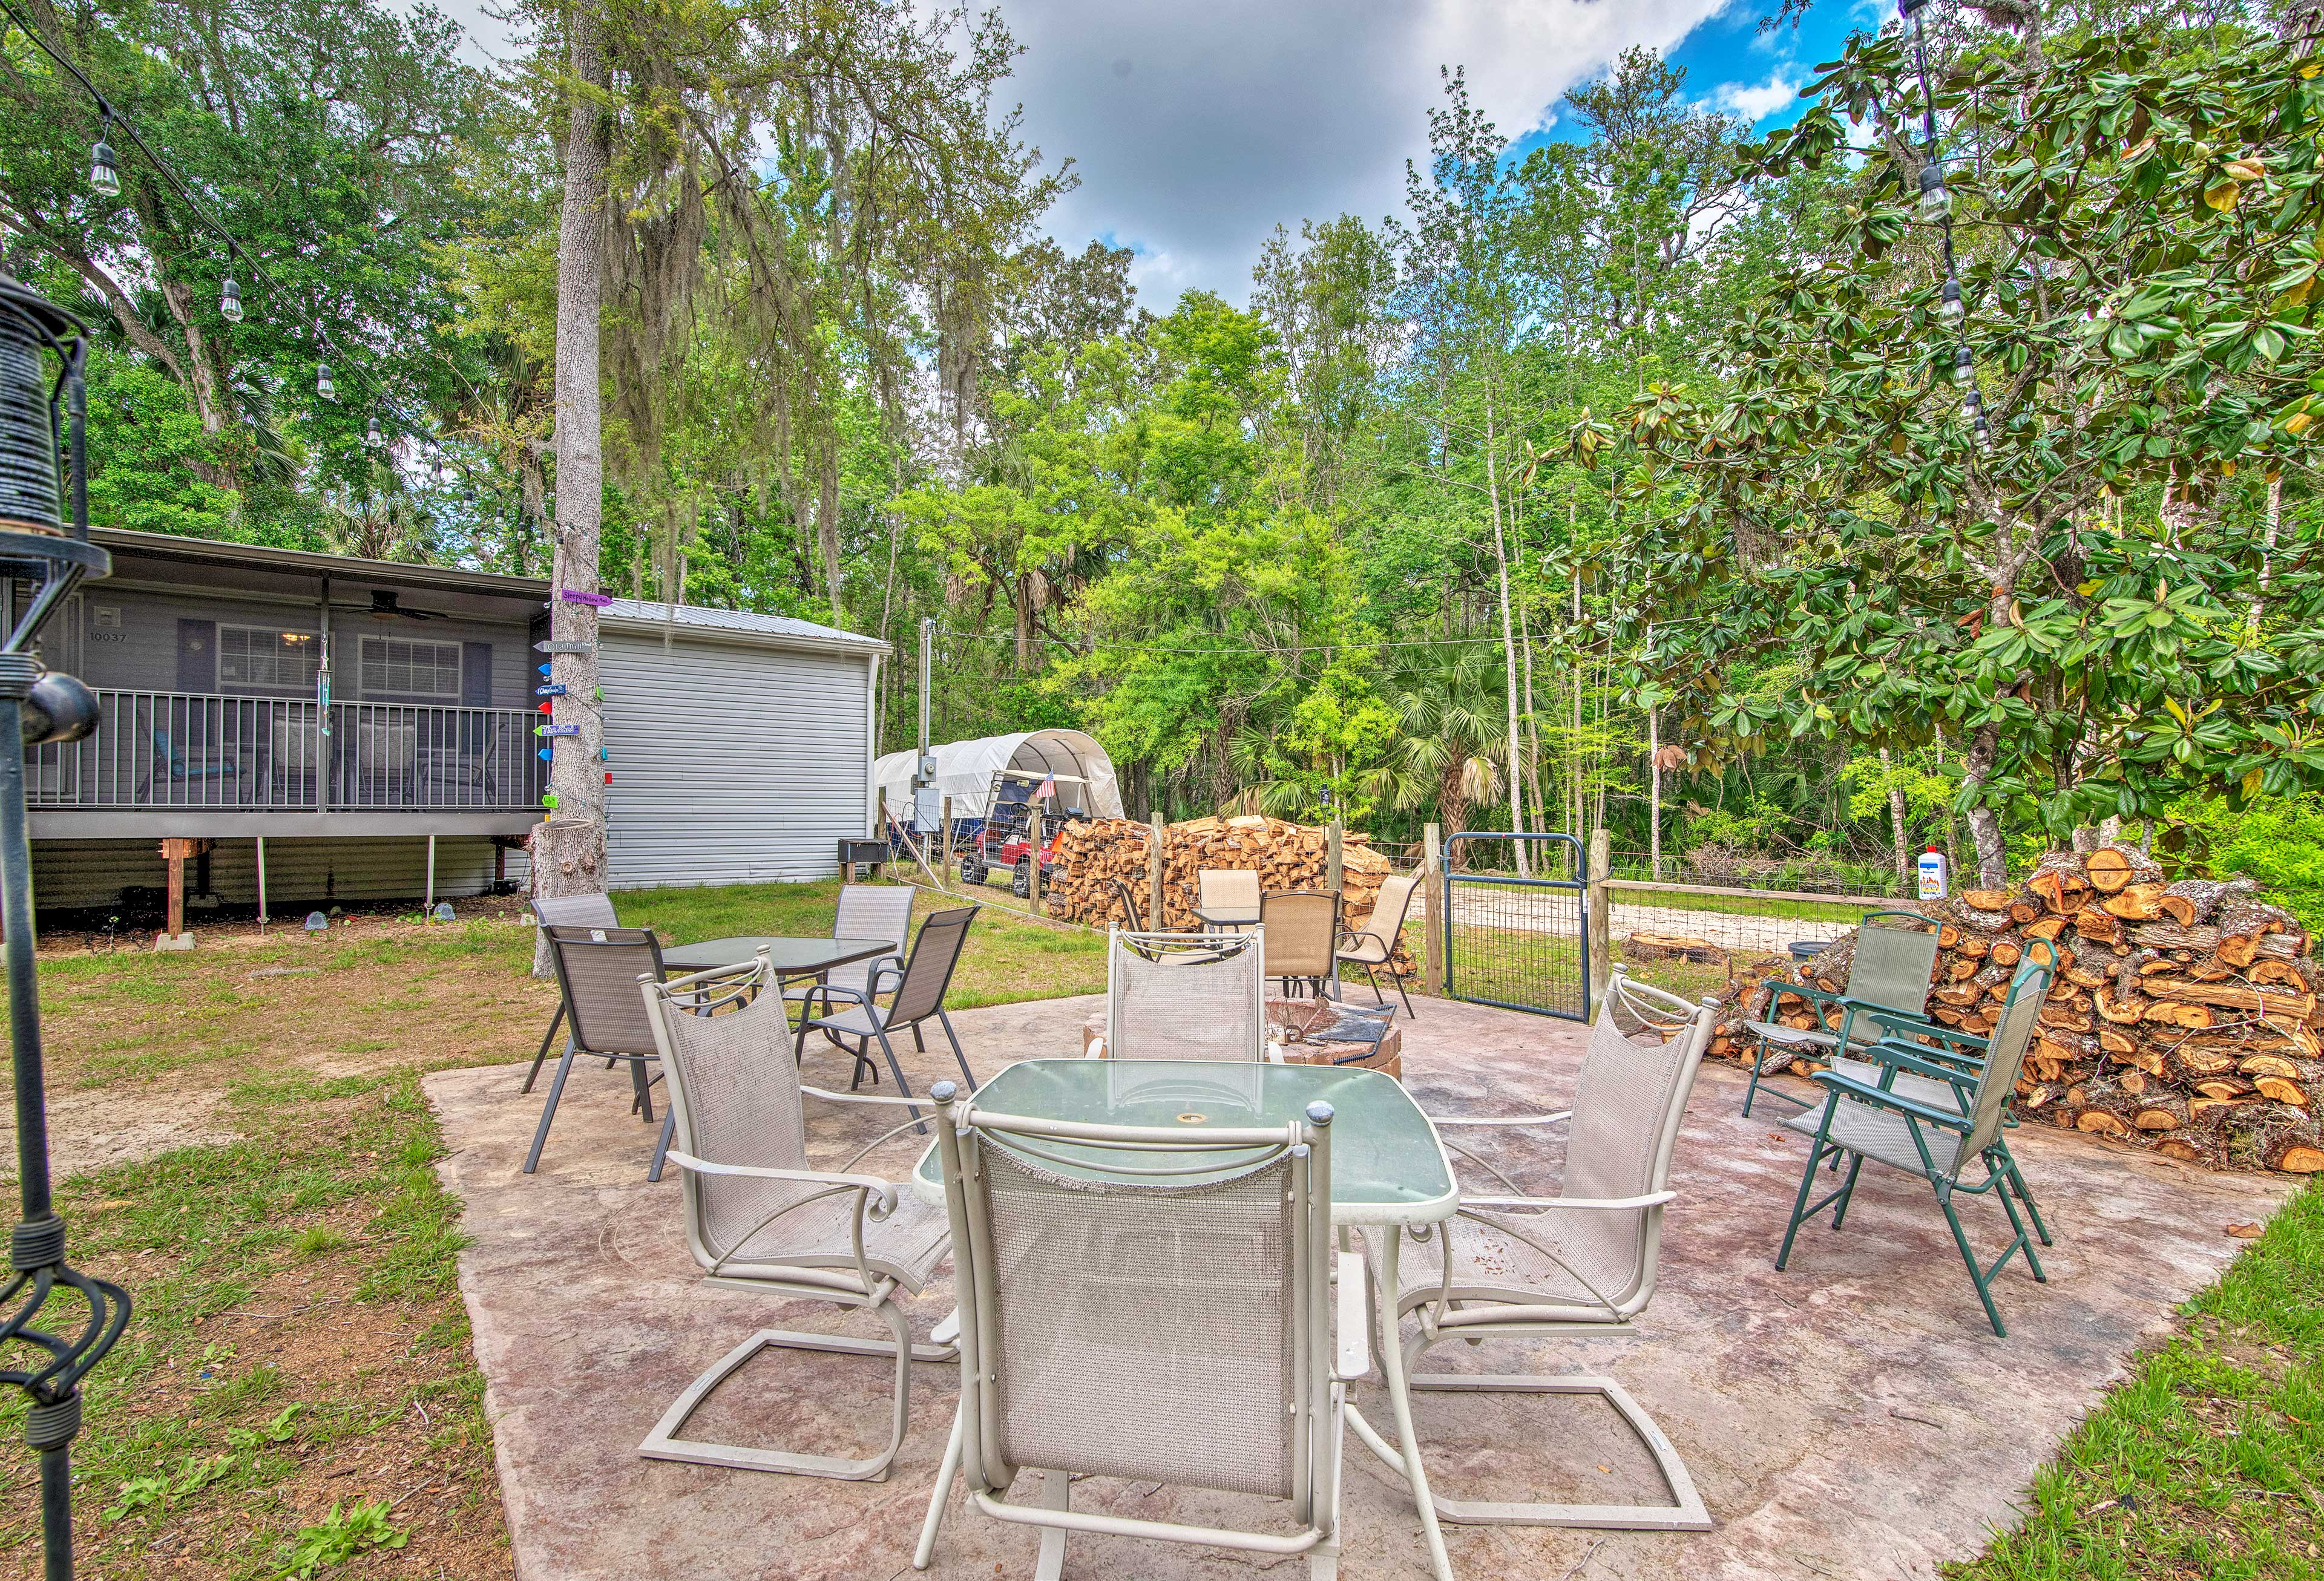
[[1753, 104]]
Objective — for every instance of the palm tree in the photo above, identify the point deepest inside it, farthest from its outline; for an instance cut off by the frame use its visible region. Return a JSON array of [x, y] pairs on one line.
[[1449, 702]]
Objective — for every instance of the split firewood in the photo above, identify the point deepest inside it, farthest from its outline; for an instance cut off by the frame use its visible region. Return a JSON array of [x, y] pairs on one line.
[[2112, 868]]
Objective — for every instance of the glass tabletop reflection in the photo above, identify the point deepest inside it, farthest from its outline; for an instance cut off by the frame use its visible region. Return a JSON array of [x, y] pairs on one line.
[[1387, 1166], [790, 957]]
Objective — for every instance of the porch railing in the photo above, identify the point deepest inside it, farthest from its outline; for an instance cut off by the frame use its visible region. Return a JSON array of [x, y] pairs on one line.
[[241, 754]]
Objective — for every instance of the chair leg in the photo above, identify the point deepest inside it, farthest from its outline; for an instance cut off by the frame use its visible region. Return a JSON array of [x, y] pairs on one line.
[[903, 1088], [547, 1038], [1976, 1276], [917, 1041], [661, 1144], [1378, 997], [1847, 1192], [1685, 1512], [2017, 1179], [1751, 1093], [643, 1105], [1397, 978], [1057, 1493], [664, 1444], [548, 1109], [959, 1053], [927, 1553], [1800, 1204]]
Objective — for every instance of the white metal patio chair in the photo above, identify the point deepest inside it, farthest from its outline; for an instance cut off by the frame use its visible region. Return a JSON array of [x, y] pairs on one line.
[[1127, 1311], [1184, 997], [865, 911], [1516, 1267], [759, 1216]]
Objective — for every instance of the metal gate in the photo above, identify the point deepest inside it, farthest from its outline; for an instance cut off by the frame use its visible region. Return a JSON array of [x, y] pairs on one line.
[[1522, 943]]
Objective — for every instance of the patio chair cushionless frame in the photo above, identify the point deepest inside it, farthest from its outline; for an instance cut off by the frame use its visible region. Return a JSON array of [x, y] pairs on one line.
[[1581, 1262], [597, 968], [865, 911], [566, 910], [1085, 1281], [1859, 1120], [760, 1217], [1184, 996], [919, 996], [1890, 972], [1303, 934], [1373, 945]]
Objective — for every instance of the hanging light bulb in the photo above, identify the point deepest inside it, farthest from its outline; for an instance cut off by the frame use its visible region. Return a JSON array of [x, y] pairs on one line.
[[1964, 367], [230, 300], [1936, 201], [103, 170], [1948, 305], [372, 437], [323, 385], [1984, 435]]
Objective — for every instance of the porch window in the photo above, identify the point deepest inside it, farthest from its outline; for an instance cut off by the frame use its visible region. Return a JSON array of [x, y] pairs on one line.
[[399, 666], [264, 658]]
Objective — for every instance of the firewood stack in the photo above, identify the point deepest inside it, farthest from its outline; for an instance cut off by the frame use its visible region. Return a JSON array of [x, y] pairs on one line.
[[1285, 856], [2184, 1017]]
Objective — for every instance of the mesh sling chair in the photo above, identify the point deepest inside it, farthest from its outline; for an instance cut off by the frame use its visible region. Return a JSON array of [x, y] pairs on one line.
[[919, 995], [760, 1217], [1860, 1120], [865, 911], [1302, 938], [1890, 972], [1184, 997], [597, 970], [1227, 887], [1373, 945], [566, 910], [1133, 1304], [1581, 1262]]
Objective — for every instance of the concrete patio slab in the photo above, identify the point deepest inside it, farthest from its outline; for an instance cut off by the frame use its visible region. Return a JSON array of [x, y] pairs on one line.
[[1854, 1417]]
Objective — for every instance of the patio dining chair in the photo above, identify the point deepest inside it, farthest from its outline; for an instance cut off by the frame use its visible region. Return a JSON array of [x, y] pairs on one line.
[[566, 911], [1940, 1143], [919, 996], [1373, 945], [1510, 1265], [865, 911], [1303, 939], [172, 765], [1227, 887], [1184, 997], [1890, 971], [597, 973], [761, 1217], [1091, 1278]]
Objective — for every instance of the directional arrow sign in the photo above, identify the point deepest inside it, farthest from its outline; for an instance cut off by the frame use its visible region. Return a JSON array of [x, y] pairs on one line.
[[564, 647], [557, 690], [556, 730]]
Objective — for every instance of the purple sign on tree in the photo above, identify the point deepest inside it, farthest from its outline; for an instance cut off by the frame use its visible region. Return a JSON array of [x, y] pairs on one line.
[[574, 595]]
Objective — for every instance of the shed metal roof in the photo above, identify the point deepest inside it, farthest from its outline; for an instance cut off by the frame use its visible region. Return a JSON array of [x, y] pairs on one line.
[[740, 623]]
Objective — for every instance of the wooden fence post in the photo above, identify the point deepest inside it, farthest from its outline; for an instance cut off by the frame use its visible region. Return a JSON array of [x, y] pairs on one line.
[[1158, 832], [1333, 836], [1601, 914], [1432, 900], [944, 863], [880, 833], [1033, 860]]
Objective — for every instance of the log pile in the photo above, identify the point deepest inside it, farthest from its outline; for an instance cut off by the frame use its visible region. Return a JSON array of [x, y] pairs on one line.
[[1094, 853], [2185, 1016]]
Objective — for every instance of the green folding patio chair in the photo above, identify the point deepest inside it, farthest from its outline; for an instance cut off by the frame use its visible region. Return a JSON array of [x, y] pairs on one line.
[[1860, 1120], [1890, 972]]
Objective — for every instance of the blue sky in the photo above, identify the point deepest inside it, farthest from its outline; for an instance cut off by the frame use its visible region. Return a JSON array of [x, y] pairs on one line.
[[1198, 125]]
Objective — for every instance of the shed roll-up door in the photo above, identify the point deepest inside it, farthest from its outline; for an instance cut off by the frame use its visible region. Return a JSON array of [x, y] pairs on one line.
[[731, 763]]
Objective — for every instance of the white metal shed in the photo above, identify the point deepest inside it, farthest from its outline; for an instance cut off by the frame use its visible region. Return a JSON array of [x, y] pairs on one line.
[[741, 744], [965, 771]]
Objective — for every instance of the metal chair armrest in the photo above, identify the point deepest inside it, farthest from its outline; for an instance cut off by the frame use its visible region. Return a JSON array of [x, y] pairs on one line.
[[1592, 1204], [1355, 1350], [1894, 1021], [1899, 1059], [885, 1190], [1442, 1120], [1096, 1050], [885, 966], [862, 1098], [1882, 1097]]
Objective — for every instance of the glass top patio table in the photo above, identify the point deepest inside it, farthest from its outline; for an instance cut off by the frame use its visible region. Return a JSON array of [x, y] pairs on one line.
[[1388, 1167], [787, 957]]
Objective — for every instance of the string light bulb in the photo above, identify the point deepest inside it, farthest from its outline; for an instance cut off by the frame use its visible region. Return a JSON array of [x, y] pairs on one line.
[[1964, 367], [104, 169], [230, 300], [1949, 303], [1936, 199], [372, 435], [323, 385]]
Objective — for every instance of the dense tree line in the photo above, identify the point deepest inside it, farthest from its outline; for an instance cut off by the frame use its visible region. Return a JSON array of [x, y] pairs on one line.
[[1638, 447]]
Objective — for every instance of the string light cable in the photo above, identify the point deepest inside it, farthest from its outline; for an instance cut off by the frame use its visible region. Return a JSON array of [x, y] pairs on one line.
[[1936, 206], [230, 306]]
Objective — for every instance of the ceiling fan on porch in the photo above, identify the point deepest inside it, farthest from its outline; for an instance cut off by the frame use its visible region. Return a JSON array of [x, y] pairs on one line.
[[383, 607]]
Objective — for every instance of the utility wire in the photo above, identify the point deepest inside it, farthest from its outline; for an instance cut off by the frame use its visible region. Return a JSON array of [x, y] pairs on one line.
[[234, 249], [1228, 646]]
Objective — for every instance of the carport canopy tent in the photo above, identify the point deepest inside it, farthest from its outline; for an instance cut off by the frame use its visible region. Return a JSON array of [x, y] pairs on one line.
[[965, 771]]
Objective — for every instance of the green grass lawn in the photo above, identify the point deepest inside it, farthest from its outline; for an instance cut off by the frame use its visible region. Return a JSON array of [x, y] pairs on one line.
[[297, 1385]]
